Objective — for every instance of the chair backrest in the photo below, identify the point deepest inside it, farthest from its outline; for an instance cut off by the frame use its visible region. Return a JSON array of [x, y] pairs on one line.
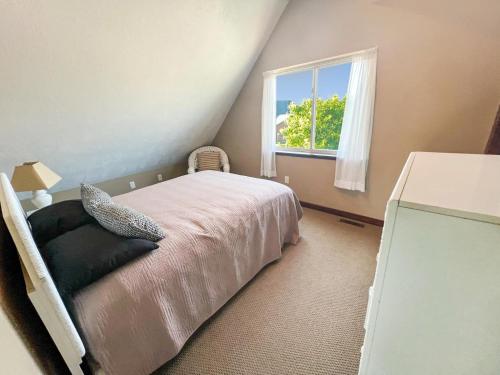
[[193, 158]]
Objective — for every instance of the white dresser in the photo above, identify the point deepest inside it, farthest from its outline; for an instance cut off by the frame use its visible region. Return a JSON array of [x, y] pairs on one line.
[[434, 307]]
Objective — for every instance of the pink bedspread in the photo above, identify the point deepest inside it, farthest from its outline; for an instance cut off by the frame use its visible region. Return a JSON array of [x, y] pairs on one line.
[[221, 230]]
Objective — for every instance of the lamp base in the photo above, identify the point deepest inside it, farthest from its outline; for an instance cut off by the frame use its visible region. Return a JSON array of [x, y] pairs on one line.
[[41, 199]]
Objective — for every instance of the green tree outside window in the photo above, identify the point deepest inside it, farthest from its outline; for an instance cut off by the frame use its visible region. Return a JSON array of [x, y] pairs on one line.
[[329, 117]]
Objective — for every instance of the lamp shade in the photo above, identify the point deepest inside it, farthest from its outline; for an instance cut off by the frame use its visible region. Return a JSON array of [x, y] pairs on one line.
[[33, 175]]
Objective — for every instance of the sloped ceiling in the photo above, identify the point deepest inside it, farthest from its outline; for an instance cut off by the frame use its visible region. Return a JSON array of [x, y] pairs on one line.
[[102, 89]]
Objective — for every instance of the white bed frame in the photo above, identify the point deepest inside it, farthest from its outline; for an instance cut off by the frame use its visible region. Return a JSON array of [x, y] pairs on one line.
[[39, 284]]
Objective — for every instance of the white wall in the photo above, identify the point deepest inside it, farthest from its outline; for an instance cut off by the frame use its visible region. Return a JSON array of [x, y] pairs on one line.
[[15, 357], [438, 87], [102, 89]]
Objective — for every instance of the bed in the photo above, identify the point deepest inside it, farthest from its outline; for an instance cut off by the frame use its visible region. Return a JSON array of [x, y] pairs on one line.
[[222, 229]]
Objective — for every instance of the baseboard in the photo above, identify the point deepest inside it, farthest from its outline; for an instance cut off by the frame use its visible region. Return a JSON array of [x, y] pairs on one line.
[[349, 215]]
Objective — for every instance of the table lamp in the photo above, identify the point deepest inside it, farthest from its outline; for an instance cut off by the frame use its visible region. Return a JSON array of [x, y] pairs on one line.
[[36, 177]]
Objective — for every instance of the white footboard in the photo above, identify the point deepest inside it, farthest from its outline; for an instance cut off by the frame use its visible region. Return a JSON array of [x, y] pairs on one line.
[[39, 284]]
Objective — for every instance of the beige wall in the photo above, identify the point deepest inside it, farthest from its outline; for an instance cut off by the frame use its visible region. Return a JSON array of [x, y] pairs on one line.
[[438, 87], [118, 185], [15, 356]]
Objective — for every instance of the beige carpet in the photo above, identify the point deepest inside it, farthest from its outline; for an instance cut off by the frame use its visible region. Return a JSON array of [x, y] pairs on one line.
[[300, 315]]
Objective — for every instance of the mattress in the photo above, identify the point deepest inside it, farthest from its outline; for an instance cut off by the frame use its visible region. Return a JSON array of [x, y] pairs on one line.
[[222, 229]]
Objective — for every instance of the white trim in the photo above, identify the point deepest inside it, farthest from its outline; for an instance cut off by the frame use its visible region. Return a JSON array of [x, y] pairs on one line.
[[339, 59]]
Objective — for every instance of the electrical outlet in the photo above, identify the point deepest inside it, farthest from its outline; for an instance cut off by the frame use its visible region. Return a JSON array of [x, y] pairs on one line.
[[159, 176], [132, 184], [287, 180]]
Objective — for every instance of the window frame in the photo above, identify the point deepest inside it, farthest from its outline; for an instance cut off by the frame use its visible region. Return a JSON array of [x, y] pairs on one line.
[[315, 66]]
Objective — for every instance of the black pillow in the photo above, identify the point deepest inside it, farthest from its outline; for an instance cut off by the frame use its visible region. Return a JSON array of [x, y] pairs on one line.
[[81, 256], [56, 219]]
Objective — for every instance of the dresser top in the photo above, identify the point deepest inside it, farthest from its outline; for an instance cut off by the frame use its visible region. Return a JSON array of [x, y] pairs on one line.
[[464, 185]]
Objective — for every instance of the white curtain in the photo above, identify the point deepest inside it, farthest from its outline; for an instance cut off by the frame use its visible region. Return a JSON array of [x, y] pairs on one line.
[[355, 136], [268, 159]]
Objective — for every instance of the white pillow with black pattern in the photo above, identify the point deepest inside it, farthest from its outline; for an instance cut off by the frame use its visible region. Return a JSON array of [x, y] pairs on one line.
[[119, 219], [92, 197]]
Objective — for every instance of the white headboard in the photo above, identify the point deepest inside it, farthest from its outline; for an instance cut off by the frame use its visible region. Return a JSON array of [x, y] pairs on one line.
[[39, 284]]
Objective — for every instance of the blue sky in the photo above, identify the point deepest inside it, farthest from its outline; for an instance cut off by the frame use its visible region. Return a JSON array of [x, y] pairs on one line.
[[297, 86]]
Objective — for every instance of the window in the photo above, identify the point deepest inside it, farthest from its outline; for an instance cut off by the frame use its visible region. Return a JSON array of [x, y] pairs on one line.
[[306, 109], [310, 108]]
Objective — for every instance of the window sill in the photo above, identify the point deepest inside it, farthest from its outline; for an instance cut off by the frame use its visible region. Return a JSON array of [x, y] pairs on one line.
[[306, 155]]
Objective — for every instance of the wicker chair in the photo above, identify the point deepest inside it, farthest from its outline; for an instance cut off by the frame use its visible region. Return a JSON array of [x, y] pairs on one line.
[[193, 158]]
